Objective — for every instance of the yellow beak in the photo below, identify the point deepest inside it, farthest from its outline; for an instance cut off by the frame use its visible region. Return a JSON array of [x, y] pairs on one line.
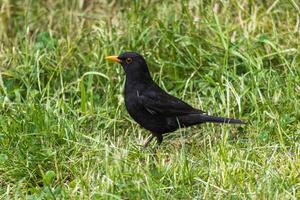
[[113, 58]]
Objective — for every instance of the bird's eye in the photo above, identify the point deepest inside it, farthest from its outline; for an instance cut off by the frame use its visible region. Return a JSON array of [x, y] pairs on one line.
[[128, 60]]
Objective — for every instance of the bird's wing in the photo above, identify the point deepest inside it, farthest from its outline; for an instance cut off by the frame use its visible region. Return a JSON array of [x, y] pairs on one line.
[[159, 102]]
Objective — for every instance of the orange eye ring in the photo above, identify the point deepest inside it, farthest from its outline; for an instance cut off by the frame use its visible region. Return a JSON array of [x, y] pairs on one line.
[[128, 60]]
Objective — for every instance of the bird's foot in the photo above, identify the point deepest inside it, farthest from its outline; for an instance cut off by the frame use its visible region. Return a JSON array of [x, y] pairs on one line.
[[148, 142]]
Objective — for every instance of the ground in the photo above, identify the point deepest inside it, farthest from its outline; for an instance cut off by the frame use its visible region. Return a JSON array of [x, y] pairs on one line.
[[64, 129]]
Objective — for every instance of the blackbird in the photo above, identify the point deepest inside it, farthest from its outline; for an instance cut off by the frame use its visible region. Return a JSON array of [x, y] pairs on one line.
[[152, 107]]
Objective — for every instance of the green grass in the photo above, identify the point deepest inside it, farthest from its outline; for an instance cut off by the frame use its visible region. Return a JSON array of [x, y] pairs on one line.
[[64, 130]]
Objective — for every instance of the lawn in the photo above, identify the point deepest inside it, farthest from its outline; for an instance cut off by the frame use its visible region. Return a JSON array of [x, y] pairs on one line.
[[64, 129]]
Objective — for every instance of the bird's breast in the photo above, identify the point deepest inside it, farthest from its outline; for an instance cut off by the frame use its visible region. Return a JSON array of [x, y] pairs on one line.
[[132, 104]]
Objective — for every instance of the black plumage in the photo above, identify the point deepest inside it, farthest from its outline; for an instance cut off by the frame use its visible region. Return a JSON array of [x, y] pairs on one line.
[[153, 108]]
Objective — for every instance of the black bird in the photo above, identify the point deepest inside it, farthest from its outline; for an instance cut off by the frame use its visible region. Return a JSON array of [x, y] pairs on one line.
[[153, 108]]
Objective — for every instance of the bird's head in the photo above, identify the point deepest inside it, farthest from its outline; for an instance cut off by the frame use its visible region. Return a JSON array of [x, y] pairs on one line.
[[132, 63]]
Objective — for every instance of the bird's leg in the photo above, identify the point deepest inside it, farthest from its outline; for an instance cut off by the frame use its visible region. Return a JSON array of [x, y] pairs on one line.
[[148, 141], [159, 139]]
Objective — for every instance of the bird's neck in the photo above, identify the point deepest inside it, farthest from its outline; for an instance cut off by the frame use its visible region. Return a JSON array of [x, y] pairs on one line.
[[137, 81], [139, 77]]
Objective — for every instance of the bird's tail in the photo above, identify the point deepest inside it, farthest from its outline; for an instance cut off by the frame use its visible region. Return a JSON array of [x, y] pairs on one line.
[[189, 120], [208, 118]]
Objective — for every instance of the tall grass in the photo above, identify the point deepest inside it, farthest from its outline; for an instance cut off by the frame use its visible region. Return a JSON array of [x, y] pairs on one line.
[[64, 130]]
